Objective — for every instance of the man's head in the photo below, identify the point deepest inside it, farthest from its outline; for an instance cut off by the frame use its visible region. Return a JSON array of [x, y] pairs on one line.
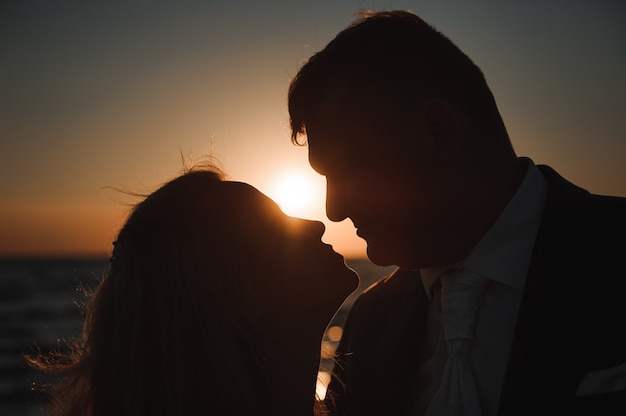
[[398, 119], [389, 60]]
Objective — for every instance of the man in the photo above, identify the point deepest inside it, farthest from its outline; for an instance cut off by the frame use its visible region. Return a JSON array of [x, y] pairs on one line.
[[407, 133]]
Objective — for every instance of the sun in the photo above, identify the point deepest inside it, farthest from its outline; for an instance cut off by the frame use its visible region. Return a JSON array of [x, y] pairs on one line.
[[299, 193]]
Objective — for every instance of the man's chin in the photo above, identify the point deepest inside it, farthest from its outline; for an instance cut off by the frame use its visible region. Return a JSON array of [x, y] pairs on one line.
[[380, 257], [387, 256]]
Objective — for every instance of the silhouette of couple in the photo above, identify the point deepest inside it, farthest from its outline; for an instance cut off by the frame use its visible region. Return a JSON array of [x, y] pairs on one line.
[[216, 302]]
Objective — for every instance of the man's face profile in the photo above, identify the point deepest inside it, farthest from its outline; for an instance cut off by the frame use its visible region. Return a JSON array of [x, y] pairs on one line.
[[379, 173]]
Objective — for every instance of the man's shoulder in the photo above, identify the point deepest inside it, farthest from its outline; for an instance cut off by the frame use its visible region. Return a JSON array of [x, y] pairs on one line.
[[399, 288], [376, 356], [562, 192], [576, 214]]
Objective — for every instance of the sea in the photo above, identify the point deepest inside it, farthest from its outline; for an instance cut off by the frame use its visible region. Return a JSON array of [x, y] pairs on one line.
[[41, 307]]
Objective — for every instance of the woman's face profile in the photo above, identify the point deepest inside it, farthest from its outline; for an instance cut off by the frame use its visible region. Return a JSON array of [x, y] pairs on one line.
[[295, 268]]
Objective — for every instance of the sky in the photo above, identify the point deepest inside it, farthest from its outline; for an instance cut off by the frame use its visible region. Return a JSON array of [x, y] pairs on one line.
[[99, 94]]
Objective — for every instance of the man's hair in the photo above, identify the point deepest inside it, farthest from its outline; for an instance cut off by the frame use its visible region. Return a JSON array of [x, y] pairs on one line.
[[390, 59]]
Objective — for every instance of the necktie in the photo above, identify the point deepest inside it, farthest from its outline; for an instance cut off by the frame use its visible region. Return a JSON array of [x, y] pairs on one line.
[[461, 294]]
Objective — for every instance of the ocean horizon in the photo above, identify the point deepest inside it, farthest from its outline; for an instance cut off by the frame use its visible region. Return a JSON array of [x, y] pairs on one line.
[[40, 307]]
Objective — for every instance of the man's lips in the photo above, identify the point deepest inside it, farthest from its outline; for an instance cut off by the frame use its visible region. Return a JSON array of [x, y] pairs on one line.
[[361, 230]]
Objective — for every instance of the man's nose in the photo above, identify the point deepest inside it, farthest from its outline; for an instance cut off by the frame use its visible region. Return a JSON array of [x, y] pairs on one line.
[[336, 202]]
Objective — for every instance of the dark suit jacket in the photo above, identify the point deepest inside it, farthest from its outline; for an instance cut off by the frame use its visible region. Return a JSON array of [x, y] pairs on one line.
[[571, 320]]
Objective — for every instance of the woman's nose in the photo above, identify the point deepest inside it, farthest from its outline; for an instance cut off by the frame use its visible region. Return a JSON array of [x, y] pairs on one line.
[[316, 228]]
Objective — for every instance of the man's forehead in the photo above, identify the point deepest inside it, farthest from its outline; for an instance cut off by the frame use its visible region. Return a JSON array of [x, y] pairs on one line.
[[325, 150], [332, 147], [340, 120], [342, 130]]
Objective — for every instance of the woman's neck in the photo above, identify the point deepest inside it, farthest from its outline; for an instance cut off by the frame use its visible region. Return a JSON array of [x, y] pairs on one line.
[[292, 368]]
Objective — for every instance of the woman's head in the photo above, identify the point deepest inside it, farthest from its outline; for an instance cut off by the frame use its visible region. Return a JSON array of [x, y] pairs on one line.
[[198, 264]]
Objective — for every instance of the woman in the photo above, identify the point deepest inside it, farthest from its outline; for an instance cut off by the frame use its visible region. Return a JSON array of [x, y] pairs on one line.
[[215, 303]]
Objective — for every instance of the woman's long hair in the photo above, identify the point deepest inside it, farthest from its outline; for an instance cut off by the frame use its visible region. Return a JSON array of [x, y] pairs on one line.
[[167, 330]]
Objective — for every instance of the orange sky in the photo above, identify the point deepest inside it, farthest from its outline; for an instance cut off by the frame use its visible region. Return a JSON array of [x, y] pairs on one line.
[[108, 94]]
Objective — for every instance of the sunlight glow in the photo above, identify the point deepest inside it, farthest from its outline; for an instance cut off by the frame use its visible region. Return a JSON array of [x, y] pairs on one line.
[[334, 333], [323, 379], [299, 193]]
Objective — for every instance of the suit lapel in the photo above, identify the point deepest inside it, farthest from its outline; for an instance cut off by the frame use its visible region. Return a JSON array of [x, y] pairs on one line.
[[539, 371]]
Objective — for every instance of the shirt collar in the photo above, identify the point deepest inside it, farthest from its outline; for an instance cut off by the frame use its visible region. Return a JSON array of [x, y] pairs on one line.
[[503, 254]]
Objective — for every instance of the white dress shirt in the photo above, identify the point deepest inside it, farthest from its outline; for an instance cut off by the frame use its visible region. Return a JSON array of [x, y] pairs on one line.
[[502, 255]]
